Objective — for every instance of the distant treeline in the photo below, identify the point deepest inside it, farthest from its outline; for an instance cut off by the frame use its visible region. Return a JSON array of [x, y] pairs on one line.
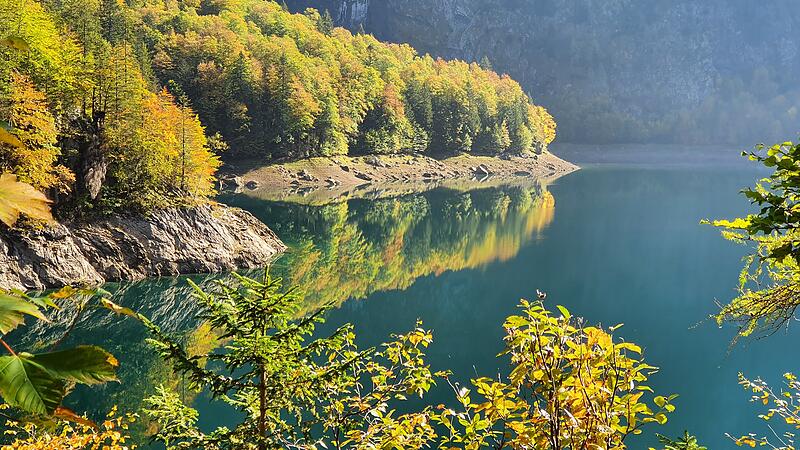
[[116, 104]]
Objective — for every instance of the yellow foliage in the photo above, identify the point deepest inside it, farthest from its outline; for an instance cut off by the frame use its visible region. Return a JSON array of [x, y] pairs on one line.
[[346, 262], [34, 160], [112, 434], [20, 198], [160, 150], [543, 123], [780, 407], [569, 387]]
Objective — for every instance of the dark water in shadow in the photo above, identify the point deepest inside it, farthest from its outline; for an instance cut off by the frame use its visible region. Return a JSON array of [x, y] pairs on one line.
[[617, 242]]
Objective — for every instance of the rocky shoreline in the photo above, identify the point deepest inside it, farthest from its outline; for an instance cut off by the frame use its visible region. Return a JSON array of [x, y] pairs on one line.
[[203, 239], [214, 238], [343, 173]]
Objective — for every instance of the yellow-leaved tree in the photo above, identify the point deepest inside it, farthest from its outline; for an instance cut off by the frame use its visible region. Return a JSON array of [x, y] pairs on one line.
[[570, 387], [160, 152], [32, 156]]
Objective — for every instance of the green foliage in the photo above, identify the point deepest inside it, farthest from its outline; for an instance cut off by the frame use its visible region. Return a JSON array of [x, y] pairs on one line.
[[28, 386], [162, 155], [570, 386], [292, 390], [178, 421], [325, 23], [687, 442], [37, 48], [293, 85], [348, 250], [123, 145], [83, 364], [81, 80], [13, 310], [37, 383], [769, 288]]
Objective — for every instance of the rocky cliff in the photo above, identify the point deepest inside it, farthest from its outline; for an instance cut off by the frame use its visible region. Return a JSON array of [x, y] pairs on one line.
[[203, 239], [618, 70]]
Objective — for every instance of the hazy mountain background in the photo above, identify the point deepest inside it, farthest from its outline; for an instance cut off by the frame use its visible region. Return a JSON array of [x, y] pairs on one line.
[[679, 71]]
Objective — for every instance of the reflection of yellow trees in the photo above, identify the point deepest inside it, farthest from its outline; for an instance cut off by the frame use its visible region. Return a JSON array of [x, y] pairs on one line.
[[352, 249]]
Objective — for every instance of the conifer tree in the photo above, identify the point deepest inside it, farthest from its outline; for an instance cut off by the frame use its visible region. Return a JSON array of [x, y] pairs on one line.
[[293, 389]]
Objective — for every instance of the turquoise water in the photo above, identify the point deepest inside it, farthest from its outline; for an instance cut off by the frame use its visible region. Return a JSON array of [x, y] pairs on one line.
[[617, 242]]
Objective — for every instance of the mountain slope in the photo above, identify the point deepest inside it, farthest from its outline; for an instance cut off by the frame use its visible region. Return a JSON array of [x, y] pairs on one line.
[[618, 70]]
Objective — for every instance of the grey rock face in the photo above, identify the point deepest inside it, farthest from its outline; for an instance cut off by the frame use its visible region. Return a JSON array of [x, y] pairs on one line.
[[618, 70], [203, 239], [351, 14]]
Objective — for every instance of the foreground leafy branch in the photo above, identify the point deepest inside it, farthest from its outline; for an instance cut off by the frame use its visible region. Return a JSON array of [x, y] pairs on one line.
[[769, 285], [783, 407], [37, 383], [686, 442], [294, 392], [21, 198], [111, 434], [570, 386]]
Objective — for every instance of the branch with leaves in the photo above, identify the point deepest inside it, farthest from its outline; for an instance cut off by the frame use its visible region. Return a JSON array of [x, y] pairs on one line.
[[293, 389], [37, 383], [570, 386], [783, 407], [769, 285]]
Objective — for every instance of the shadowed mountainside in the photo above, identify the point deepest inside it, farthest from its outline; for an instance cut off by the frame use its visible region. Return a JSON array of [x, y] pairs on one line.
[[716, 71]]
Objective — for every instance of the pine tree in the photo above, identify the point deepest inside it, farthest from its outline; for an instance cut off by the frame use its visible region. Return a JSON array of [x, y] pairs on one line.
[[485, 63], [292, 390], [325, 23]]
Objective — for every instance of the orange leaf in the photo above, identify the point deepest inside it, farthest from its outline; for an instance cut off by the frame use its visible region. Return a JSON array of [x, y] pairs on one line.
[[69, 415]]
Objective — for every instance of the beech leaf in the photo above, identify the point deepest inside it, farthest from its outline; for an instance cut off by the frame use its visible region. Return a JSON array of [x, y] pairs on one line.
[[85, 364], [28, 386], [13, 310], [21, 198]]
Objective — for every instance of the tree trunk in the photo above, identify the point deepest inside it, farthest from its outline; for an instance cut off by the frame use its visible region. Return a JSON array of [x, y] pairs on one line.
[[262, 410]]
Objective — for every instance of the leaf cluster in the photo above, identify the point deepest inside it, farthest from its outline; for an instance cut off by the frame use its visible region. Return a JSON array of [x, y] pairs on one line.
[[36, 384], [782, 408], [570, 387]]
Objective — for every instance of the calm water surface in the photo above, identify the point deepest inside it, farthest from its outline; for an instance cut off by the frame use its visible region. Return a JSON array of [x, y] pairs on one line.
[[617, 242]]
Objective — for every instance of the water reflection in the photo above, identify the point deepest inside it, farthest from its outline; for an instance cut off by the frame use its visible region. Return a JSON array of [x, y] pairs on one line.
[[351, 249], [340, 251], [625, 247]]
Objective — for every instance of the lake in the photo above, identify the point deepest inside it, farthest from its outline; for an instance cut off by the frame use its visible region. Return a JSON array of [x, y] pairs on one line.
[[616, 242]]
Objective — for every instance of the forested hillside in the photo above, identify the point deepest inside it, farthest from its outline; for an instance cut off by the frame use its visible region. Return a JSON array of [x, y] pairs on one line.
[[113, 103], [679, 71]]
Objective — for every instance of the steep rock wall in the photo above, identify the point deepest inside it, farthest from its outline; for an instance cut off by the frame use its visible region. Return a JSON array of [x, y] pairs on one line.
[[203, 239]]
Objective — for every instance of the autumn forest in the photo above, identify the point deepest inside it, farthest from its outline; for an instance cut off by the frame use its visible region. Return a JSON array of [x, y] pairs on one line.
[[135, 104]]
